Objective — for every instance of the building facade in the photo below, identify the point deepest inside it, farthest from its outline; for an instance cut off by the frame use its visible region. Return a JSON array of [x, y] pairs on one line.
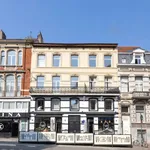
[[15, 66], [134, 108], [74, 88]]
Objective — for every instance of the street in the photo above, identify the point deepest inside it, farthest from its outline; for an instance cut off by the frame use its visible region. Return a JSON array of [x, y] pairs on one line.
[[30, 146]]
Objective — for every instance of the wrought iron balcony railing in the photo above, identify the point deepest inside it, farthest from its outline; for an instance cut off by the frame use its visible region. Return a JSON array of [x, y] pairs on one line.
[[61, 90], [141, 94]]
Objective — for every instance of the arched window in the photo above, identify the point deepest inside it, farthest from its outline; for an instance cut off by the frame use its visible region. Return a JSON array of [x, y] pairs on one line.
[[1, 85], [20, 58], [18, 85], [10, 85], [11, 59], [2, 58]]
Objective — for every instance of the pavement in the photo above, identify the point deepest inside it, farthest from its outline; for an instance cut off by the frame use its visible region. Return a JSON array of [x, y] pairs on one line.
[[12, 144]]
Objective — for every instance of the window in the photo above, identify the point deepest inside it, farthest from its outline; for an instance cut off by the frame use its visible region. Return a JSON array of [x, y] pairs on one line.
[[41, 60], [0, 105], [93, 104], [74, 104], [140, 111], [42, 124], [11, 59], [24, 105], [56, 60], [92, 82], [74, 60], [107, 61], [10, 82], [2, 58], [137, 59], [55, 104], [18, 105], [1, 85], [139, 83], [124, 109], [56, 83], [23, 125], [9, 105], [92, 60], [124, 84], [18, 85], [20, 58], [108, 104], [40, 104], [74, 82], [124, 61], [40, 81], [108, 82]]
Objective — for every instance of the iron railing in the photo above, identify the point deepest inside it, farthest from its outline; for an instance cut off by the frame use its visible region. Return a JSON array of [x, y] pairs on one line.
[[96, 90]]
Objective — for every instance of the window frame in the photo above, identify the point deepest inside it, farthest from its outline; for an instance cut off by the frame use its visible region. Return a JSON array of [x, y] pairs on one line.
[[37, 101], [41, 60], [74, 59], [20, 58], [124, 107], [10, 58], [40, 82], [3, 56], [107, 83], [78, 101], [72, 82], [138, 58], [56, 59], [53, 99], [112, 104], [107, 59], [123, 82], [96, 105], [92, 59], [10, 85]]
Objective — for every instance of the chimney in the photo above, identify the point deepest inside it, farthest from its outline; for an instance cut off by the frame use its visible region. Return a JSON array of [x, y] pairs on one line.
[[2, 35], [40, 38]]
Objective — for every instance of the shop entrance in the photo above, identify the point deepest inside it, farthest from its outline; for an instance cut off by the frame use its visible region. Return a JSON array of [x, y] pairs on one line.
[[90, 124], [15, 128], [74, 123]]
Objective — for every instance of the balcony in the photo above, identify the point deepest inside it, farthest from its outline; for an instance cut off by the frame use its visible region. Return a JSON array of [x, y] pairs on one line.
[[78, 90], [141, 94]]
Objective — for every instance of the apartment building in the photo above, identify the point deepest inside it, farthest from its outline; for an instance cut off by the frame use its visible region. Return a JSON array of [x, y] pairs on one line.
[[134, 76], [74, 88], [15, 65]]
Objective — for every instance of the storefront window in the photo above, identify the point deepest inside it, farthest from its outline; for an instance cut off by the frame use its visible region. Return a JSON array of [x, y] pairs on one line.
[[106, 125], [23, 125], [42, 124]]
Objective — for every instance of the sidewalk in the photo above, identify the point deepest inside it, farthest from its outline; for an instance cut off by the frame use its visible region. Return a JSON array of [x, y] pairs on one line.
[[8, 139]]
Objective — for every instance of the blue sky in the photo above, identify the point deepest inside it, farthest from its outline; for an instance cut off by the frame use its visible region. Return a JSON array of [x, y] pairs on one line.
[[121, 21]]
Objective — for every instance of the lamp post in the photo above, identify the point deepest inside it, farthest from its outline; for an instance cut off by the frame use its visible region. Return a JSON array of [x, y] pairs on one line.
[[141, 118]]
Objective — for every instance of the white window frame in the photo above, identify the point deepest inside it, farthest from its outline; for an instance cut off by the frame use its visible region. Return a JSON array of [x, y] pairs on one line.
[[41, 62], [92, 59], [3, 58], [138, 58], [124, 83], [74, 83], [57, 58], [108, 59], [52, 105], [138, 83], [74, 58], [96, 104], [108, 82], [20, 58], [10, 58]]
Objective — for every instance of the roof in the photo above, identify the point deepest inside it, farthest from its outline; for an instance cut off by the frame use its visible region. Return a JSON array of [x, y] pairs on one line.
[[127, 48], [74, 45]]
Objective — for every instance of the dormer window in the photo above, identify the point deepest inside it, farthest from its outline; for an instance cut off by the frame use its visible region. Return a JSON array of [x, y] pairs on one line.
[[137, 59]]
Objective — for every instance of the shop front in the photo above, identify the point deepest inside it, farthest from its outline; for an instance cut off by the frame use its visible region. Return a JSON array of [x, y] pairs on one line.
[[12, 123]]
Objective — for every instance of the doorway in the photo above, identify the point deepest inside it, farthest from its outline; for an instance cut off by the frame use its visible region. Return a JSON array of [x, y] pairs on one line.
[[90, 124], [74, 124], [15, 127], [58, 124]]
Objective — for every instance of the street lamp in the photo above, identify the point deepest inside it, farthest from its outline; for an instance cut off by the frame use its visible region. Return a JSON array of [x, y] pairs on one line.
[[141, 118]]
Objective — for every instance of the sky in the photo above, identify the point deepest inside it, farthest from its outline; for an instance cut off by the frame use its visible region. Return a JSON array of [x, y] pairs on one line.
[[126, 22]]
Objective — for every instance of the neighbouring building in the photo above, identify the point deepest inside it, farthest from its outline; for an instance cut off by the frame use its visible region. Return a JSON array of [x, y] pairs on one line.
[[15, 66], [134, 107], [74, 88]]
